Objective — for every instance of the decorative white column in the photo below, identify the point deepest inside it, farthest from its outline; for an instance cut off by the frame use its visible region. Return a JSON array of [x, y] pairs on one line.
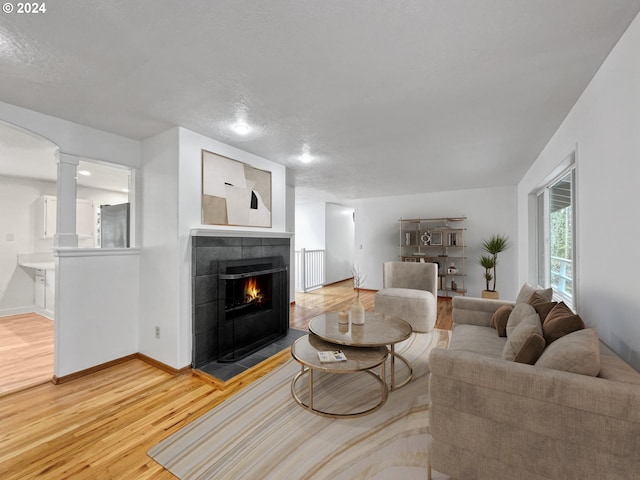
[[66, 235]]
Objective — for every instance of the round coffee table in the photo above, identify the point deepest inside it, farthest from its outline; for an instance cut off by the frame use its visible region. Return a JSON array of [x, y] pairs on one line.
[[359, 359], [378, 330]]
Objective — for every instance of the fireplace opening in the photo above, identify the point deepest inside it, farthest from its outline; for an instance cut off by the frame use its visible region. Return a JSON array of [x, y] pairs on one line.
[[247, 295], [254, 310]]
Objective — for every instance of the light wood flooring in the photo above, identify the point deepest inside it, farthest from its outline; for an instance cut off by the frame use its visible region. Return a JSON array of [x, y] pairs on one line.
[[101, 425], [26, 351], [340, 296]]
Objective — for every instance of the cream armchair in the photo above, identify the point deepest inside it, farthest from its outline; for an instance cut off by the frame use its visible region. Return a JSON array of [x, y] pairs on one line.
[[410, 292]]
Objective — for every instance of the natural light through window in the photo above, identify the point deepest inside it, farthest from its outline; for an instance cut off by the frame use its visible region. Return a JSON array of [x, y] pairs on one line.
[[556, 237]]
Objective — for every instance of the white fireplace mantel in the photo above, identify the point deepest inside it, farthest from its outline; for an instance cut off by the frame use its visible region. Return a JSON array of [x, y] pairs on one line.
[[204, 232]]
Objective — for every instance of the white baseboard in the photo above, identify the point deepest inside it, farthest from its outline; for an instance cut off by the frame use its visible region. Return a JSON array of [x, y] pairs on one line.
[[8, 312]]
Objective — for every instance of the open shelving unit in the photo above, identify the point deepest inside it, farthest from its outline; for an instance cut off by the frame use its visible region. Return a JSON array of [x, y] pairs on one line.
[[440, 241]]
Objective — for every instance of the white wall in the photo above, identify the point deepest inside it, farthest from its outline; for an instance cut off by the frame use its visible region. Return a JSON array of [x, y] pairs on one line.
[[604, 124], [291, 228], [339, 237], [310, 226], [488, 210], [97, 297], [328, 227], [159, 259]]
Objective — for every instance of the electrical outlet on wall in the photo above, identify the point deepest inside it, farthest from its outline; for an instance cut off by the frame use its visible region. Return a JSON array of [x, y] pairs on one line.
[[157, 331]]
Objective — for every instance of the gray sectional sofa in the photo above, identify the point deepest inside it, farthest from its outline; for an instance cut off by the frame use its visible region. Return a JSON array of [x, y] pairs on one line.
[[496, 419]]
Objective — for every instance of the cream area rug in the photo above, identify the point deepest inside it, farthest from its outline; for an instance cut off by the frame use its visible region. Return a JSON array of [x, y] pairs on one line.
[[261, 433]]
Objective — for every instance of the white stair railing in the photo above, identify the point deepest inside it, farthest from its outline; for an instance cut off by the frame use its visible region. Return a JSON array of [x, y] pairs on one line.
[[309, 269]]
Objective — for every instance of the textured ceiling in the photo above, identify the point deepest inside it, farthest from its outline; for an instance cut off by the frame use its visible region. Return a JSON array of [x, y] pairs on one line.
[[388, 96]]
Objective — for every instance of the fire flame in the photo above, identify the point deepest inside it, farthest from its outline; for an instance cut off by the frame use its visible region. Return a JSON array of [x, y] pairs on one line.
[[252, 293]]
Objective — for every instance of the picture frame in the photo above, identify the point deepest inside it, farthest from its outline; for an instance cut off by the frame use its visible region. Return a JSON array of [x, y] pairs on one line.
[[436, 238], [234, 193]]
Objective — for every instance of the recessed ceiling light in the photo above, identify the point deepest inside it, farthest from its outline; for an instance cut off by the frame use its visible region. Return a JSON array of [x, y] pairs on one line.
[[306, 157], [241, 128], [86, 173]]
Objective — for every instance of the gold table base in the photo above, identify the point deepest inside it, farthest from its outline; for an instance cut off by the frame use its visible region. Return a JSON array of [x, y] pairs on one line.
[[309, 406]]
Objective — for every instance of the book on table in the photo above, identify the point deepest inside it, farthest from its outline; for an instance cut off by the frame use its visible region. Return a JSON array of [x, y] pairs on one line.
[[332, 356]]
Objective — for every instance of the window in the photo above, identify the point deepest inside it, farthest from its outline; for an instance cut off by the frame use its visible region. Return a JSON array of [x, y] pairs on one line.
[[556, 239]]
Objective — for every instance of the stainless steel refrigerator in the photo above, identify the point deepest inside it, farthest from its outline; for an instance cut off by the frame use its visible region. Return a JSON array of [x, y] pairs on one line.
[[114, 226]]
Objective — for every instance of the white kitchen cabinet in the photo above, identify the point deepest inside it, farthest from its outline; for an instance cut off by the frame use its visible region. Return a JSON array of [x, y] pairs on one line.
[[85, 218], [46, 217], [40, 288], [50, 291]]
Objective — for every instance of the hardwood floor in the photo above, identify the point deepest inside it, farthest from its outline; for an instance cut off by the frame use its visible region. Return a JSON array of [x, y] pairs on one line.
[[340, 296], [26, 351], [101, 425]]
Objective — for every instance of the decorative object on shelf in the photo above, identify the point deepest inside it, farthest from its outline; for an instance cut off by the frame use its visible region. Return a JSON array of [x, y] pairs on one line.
[[443, 252], [493, 246], [453, 239], [407, 239], [454, 285], [426, 238], [436, 238], [410, 259], [452, 270], [357, 309]]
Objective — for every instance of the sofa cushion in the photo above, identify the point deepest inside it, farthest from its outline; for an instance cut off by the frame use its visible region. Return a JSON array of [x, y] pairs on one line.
[[577, 352], [612, 367], [500, 318], [527, 290], [519, 313], [542, 306], [560, 322], [476, 339], [520, 336]]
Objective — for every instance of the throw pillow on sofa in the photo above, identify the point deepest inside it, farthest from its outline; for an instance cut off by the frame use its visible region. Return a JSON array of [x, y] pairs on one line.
[[559, 322], [519, 312], [530, 352], [542, 306], [500, 318], [527, 290], [523, 343], [577, 352]]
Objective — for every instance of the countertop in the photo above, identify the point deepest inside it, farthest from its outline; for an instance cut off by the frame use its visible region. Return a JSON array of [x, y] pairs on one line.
[[39, 265], [39, 261]]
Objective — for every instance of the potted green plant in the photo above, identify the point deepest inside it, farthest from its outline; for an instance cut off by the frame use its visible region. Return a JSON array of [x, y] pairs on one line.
[[493, 246]]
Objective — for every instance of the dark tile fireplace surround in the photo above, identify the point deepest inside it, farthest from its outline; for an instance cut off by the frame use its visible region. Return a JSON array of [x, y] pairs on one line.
[[240, 302]]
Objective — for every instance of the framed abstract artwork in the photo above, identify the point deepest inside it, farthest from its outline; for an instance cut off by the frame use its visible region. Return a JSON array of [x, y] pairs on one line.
[[234, 193]]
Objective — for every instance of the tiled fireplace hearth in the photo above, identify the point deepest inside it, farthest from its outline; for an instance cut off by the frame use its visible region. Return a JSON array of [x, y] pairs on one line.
[[240, 297]]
